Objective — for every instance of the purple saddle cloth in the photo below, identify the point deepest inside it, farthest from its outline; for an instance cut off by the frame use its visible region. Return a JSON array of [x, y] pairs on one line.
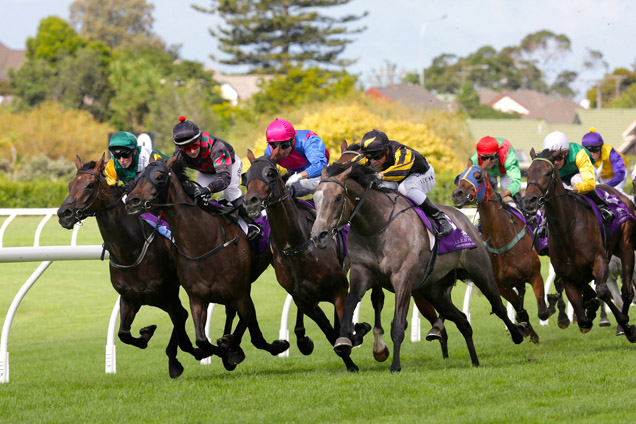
[[618, 208], [162, 228], [540, 243], [457, 239]]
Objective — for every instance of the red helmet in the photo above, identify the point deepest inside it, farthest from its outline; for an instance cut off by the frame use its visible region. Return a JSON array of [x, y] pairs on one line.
[[280, 130], [487, 146]]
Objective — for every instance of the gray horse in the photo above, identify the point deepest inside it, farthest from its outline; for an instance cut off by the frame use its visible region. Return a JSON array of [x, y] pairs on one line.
[[390, 247]]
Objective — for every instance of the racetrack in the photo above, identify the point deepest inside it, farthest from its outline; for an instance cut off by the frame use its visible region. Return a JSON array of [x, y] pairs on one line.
[[59, 334]]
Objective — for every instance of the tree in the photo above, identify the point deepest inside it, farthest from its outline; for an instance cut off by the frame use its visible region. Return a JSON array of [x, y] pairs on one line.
[[120, 24], [300, 87], [54, 40], [272, 36], [32, 82]]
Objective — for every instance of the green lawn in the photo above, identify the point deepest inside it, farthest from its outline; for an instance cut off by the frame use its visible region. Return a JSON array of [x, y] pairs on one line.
[[58, 339]]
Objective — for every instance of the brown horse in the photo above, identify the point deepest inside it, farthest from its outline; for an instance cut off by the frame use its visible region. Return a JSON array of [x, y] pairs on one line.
[[576, 243], [309, 274], [437, 332], [141, 266], [390, 247], [509, 245], [215, 261]]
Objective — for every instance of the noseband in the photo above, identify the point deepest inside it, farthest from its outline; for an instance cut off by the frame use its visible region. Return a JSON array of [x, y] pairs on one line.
[[80, 213], [274, 196], [543, 199]]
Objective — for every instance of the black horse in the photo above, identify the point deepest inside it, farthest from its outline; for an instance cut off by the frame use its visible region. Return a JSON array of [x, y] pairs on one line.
[[141, 266]]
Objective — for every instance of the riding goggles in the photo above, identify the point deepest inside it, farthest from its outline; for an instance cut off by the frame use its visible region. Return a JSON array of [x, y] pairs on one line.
[[374, 155], [191, 147], [559, 157], [488, 157], [283, 144], [594, 149], [119, 154]]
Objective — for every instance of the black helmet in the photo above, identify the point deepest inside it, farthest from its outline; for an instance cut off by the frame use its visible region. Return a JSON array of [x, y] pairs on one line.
[[374, 141], [185, 132]]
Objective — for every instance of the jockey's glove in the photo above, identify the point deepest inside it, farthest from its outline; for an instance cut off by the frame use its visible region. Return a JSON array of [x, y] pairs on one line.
[[294, 178], [202, 192]]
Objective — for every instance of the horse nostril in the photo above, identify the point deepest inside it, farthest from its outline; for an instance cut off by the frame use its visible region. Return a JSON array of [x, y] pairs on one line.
[[323, 236]]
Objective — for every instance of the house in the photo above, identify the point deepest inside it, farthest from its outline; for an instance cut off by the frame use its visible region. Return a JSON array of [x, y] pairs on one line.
[[410, 95], [9, 59], [236, 88], [531, 105]]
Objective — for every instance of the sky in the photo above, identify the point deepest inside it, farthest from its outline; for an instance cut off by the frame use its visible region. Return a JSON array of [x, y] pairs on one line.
[[408, 33]]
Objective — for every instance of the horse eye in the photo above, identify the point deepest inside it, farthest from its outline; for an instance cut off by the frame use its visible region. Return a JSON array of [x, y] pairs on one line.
[[161, 177], [271, 174], [90, 185], [338, 197]]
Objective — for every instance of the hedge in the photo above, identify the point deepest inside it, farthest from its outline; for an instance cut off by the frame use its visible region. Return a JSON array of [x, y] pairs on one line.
[[32, 194]]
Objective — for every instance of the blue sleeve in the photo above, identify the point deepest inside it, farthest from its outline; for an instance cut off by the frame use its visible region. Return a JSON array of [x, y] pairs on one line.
[[315, 154], [268, 150], [618, 166]]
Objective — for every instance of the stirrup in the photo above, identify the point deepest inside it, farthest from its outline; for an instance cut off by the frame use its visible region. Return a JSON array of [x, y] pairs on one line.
[[607, 214], [444, 230], [253, 231]]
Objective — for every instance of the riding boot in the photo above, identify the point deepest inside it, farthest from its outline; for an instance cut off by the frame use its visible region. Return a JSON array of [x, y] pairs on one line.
[[519, 202], [253, 229], [602, 206], [444, 225]]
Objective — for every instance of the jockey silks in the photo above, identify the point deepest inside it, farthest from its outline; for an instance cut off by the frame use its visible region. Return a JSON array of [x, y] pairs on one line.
[[308, 154]]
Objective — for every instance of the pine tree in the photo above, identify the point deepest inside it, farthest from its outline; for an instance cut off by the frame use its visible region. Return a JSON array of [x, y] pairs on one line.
[[272, 36]]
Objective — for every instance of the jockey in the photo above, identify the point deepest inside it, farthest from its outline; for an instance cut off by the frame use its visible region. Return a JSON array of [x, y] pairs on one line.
[[500, 160], [408, 170], [302, 153], [128, 159], [219, 168], [610, 164], [576, 169]]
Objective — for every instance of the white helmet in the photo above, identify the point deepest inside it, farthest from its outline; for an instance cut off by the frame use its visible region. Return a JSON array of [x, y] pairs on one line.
[[556, 140]]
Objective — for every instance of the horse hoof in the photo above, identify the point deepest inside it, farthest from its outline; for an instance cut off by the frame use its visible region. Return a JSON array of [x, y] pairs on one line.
[[306, 346], [175, 368], [619, 330], [382, 355], [228, 366], [342, 346], [604, 322], [147, 332], [225, 341], [585, 330], [563, 324], [434, 334], [396, 368], [279, 346], [199, 354], [353, 368], [362, 328], [235, 355]]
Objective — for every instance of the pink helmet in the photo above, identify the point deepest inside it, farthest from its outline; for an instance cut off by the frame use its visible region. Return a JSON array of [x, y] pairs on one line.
[[280, 130]]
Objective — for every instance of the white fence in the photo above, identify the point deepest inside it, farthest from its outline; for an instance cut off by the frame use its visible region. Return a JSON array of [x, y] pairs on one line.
[[48, 254]]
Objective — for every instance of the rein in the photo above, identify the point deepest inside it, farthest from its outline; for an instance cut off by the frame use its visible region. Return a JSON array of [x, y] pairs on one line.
[[80, 214], [142, 255]]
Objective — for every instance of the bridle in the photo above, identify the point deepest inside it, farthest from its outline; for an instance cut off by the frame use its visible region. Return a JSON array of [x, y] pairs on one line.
[[274, 197], [543, 199], [80, 213]]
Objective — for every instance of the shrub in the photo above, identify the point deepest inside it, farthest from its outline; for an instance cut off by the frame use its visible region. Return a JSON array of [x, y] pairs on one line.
[[41, 193]]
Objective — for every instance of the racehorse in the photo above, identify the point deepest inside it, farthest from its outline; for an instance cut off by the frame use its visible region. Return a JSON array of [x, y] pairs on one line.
[[389, 246], [576, 243], [215, 262], [509, 245], [141, 266], [437, 332], [309, 274]]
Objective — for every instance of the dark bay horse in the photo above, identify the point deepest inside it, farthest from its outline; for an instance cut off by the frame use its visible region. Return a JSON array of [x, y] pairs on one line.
[[509, 245], [309, 274], [576, 244], [141, 266], [437, 332], [215, 261], [390, 246]]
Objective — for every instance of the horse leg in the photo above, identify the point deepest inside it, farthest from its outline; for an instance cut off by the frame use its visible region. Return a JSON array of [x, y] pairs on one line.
[[442, 301], [573, 293], [247, 312], [199, 310], [562, 321], [232, 341], [483, 279], [402, 300], [380, 349], [127, 313], [538, 287], [437, 332], [621, 315], [360, 282], [304, 343], [522, 315]]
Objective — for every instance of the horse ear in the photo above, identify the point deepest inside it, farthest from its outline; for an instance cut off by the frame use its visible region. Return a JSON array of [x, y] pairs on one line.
[[274, 155], [323, 174], [151, 159], [78, 162], [533, 154], [99, 166], [250, 155], [343, 146], [456, 182]]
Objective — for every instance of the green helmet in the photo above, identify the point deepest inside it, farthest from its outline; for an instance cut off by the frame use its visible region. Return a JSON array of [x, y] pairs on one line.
[[122, 140]]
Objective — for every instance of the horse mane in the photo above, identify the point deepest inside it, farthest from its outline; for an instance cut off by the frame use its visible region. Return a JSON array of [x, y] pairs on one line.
[[363, 174], [355, 147], [179, 169], [546, 154], [88, 166]]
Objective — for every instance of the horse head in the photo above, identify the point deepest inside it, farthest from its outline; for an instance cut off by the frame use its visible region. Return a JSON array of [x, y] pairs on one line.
[[331, 202], [543, 179], [472, 187], [264, 183], [150, 187], [86, 193]]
